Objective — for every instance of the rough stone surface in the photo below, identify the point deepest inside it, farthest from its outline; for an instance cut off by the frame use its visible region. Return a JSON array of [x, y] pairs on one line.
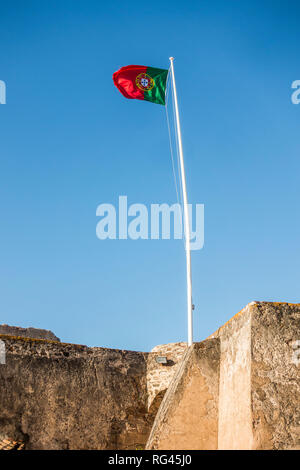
[[275, 378], [237, 390], [62, 396], [259, 399], [28, 332], [188, 416], [159, 376], [244, 395]]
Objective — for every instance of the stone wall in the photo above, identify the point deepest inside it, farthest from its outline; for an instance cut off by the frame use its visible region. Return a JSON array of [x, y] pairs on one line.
[[188, 415], [275, 376], [235, 421], [64, 396], [240, 389], [28, 332], [259, 399], [159, 376]]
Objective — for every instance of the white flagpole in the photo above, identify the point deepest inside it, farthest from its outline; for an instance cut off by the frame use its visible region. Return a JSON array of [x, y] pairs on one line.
[[187, 229]]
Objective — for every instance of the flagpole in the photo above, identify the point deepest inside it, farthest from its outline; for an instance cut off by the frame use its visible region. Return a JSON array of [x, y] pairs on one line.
[[187, 229]]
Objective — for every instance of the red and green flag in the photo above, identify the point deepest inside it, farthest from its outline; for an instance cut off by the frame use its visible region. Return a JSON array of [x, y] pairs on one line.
[[139, 82]]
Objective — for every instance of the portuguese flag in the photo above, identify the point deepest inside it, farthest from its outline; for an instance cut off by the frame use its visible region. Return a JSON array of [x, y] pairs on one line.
[[139, 82]]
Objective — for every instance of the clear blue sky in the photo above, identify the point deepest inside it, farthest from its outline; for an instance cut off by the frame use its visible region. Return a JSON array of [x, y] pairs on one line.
[[69, 141]]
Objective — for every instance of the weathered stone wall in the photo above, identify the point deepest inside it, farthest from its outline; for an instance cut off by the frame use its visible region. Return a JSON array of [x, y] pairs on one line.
[[28, 332], [188, 416], [275, 376], [235, 423], [259, 399], [244, 395], [237, 390], [63, 396], [159, 376]]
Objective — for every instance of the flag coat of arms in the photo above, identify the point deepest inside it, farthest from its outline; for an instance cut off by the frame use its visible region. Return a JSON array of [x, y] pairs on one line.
[[140, 82]]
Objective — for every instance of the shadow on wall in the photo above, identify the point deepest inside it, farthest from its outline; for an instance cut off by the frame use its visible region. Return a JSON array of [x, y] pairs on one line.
[[156, 404]]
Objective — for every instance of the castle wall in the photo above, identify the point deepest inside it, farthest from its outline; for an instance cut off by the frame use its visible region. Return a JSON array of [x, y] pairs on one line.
[[159, 376], [240, 389], [35, 333], [259, 399], [188, 416], [235, 426], [275, 375], [63, 396]]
